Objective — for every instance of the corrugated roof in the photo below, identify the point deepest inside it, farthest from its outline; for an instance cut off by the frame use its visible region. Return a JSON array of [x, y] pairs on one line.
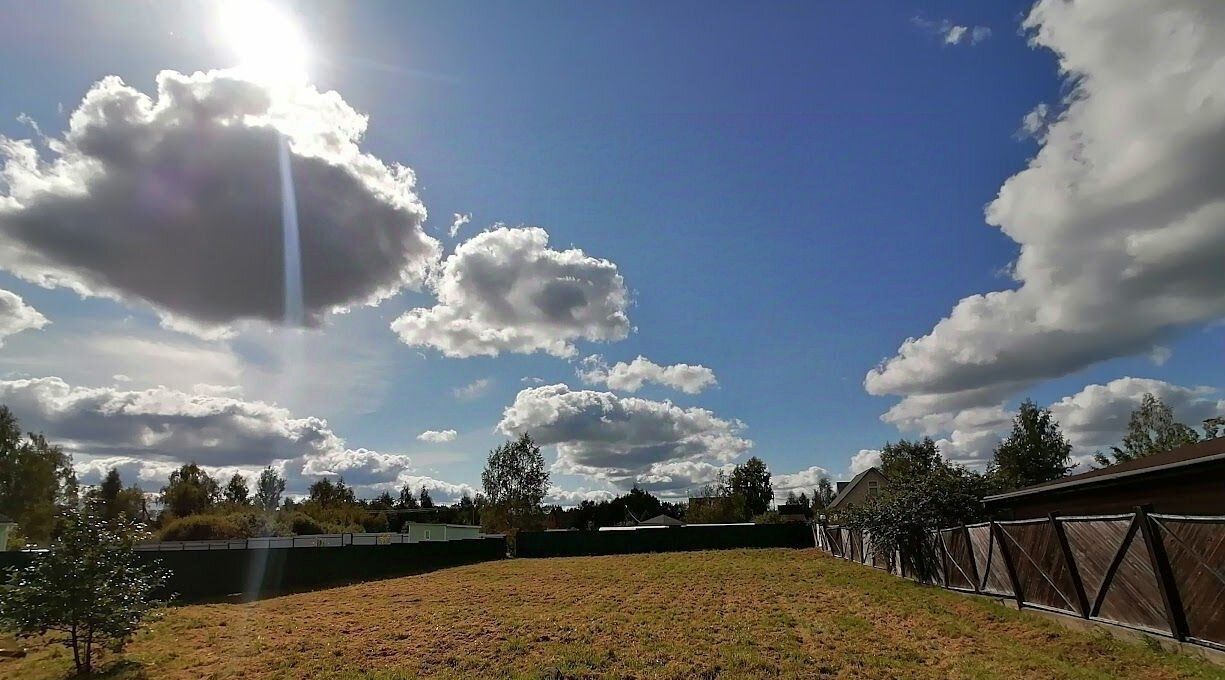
[[1191, 454]]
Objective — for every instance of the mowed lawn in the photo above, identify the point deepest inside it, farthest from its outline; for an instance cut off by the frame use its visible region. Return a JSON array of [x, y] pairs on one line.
[[735, 614]]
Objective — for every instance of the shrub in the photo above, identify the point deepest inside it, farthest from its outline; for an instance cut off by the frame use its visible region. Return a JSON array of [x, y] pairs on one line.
[[204, 528], [88, 589]]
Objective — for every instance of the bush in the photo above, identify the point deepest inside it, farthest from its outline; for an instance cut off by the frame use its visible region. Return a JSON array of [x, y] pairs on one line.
[[204, 528], [88, 590]]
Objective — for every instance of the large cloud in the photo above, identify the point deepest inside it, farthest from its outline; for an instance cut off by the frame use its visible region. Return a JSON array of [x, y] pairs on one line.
[[147, 433], [1120, 217], [16, 316], [1097, 416], [176, 201], [625, 440], [505, 290], [803, 481], [632, 376]]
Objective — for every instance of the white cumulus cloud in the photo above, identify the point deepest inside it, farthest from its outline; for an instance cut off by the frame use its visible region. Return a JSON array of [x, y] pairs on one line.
[[150, 199], [17, 316], [1120, 217], [626, 440], [505, 290], [632, 376], [438, 436]]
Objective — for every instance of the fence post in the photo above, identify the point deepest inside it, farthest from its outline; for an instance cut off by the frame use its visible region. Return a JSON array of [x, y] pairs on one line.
[[1082, 600], [1005, 553], [1174, 612]]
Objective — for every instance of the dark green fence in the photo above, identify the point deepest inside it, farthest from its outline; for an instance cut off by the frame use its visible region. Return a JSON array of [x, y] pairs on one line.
[[667, 539], [207, 574]]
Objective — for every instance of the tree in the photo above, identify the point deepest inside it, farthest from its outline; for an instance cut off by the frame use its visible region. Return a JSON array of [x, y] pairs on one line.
[[906, 460], [1035, 452], [36, 479], [751, 481], [88, 589], [268, 489], [426, 501], [1151, 429], [913, 505], [515, 482], [408, 501], [383, 503], [823, 495], [329, 494], [191, 490], [113, 502], [236, 491]]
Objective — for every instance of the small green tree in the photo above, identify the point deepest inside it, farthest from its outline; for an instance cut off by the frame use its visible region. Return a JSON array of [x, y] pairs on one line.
[[190, 490], [515, 482], [1151, 429], [236, 491], [88, 589], [1035, 452], [751, 481], [268, 489], [425, 499]]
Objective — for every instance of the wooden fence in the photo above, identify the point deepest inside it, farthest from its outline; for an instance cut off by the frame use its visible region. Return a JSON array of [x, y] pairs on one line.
[[1162, 574]]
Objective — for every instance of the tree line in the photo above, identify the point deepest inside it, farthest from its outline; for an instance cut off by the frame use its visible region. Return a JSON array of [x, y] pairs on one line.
[[926, 492]]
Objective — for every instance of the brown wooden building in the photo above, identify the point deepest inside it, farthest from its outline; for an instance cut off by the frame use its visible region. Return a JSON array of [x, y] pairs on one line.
[[1189, 480]]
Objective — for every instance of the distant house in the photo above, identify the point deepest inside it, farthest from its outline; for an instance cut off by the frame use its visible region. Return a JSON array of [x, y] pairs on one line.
[[865, 485], [1188, 480], [421, 531], [662, 521]]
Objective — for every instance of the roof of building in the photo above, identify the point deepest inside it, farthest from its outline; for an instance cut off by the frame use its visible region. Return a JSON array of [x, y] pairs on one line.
[[850, 486], [1192, 454], [663, 520]]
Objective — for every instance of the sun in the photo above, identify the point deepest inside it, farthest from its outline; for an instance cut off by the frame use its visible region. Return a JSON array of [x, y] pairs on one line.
[[268, 43]]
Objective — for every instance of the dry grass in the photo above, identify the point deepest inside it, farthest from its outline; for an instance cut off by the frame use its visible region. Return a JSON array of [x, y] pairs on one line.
[[750, 614]]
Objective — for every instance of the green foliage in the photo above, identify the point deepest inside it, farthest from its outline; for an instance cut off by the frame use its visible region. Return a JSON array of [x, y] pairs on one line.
[[1035, 452], [327, 493], [928, 493], [425, 500], [268, 489], [907, 460], [716, 504], [205, 528], [191, 490], [515, 482], [236, 491], [36, 479], [88, 590], [408, 500], [1151, 429], [114, 503], [823, 495], [751, 481]]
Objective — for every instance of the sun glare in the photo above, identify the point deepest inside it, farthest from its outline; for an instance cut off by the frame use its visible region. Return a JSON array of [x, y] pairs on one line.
[[268, 43]]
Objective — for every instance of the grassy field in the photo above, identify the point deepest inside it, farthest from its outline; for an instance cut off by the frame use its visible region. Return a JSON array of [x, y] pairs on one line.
[[735, 614]]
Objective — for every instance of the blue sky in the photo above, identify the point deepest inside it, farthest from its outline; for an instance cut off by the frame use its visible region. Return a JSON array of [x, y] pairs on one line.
[[788, 195]]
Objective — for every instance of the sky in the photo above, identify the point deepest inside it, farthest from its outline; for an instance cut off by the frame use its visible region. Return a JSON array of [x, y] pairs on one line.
[[375, 240]]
